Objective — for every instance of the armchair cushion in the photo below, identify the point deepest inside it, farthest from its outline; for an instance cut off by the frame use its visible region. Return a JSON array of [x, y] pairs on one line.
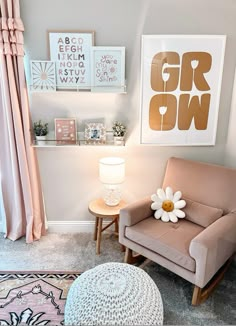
[[167, 239], [200, 214]]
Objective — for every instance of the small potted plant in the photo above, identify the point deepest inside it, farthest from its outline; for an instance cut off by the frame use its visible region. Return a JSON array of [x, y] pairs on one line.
[[119, 131], [40, 131]]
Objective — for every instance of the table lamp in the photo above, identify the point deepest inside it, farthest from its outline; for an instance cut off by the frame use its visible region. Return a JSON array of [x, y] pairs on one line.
[[112, 175]]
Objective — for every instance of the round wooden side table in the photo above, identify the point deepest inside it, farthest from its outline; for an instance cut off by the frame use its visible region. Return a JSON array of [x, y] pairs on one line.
[[100, 210]]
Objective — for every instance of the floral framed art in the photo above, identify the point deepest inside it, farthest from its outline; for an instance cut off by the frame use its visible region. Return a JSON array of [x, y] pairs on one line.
[[107, 67], [95, 133], [71, 52], [43, 76], [180, 88], [65, 131]]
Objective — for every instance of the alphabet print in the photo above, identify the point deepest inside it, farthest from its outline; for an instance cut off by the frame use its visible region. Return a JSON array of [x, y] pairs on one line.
[[71, 52]]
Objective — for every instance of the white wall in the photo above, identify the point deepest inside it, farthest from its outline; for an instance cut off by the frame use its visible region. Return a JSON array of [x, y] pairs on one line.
[[230, 148], [70, 175]]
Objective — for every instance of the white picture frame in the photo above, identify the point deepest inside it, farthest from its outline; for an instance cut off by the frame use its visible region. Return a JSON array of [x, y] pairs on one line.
[[108, 67], [71, 52], [43, 77], [181, 79], [95, 133]]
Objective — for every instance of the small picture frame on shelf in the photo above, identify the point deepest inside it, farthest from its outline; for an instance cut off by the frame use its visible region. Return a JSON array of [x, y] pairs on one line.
[[107, 67], [43, 76], [95, 133], [65, 131]]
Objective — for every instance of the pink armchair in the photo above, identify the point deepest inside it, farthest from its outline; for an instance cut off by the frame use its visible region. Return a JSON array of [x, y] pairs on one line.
[[199, 247]]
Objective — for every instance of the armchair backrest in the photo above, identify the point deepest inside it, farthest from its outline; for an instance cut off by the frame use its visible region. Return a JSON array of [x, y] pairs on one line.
[[209, 184]]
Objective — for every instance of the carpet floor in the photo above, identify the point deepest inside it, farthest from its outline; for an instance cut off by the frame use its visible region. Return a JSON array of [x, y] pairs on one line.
[[77, 252]]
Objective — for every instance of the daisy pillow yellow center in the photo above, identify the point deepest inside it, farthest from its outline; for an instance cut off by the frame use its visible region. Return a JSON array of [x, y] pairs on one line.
[[167, 205]]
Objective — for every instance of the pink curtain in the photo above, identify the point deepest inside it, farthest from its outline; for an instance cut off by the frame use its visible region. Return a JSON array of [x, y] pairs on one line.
[[21, 188]]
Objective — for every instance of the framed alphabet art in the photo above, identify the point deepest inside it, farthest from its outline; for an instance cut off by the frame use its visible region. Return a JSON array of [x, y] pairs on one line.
[[180, 88], [71, 53]]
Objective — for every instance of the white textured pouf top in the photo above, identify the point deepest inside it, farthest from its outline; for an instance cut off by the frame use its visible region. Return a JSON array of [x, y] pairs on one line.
[[114, 294]]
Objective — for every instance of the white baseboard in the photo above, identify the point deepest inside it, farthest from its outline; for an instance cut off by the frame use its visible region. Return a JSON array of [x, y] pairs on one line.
[[72, 226], [68, 226]]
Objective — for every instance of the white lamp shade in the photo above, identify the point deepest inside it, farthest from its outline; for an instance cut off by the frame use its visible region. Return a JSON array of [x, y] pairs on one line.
[[112, 170]]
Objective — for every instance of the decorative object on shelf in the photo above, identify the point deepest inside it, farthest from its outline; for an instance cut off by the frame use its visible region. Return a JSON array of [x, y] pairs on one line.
[[112, 175], [119, 140], [119, 131], [65, 131], [40, 131], [180, 85], [108, 67], [95, 133], [71, 52], [43, 76]]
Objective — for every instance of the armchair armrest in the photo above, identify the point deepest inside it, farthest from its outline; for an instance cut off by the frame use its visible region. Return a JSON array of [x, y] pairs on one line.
[[213, 247], [132, 214], [136, 212]]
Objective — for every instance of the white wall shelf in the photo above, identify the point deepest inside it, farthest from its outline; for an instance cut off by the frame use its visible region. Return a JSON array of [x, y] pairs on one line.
[[53, 143], [97, 89], [80, 141]]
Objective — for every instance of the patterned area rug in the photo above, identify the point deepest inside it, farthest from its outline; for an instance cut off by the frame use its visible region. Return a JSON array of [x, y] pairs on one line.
[[34, 298]]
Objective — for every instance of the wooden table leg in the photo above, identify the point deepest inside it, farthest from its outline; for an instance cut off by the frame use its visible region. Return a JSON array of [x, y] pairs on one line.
[[99, 235], [95, 229]]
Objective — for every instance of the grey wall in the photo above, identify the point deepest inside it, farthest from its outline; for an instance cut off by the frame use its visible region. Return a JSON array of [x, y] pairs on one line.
[[70, 175], [230, 148]]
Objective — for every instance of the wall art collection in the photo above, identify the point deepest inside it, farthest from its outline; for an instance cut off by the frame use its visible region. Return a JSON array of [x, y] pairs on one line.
[[77, 64], [181, 79]]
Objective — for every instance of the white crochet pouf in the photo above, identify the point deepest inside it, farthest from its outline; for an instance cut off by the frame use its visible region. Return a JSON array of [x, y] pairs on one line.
[[114, 294]]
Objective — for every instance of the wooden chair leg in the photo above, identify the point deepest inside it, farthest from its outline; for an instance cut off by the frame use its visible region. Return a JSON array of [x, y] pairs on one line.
[[116, 225], [122, 248], [128, 256], [200, 295], [132, 259], [196, 298]]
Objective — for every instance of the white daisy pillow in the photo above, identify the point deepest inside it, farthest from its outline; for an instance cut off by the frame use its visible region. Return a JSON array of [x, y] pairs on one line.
[[168, 205]]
